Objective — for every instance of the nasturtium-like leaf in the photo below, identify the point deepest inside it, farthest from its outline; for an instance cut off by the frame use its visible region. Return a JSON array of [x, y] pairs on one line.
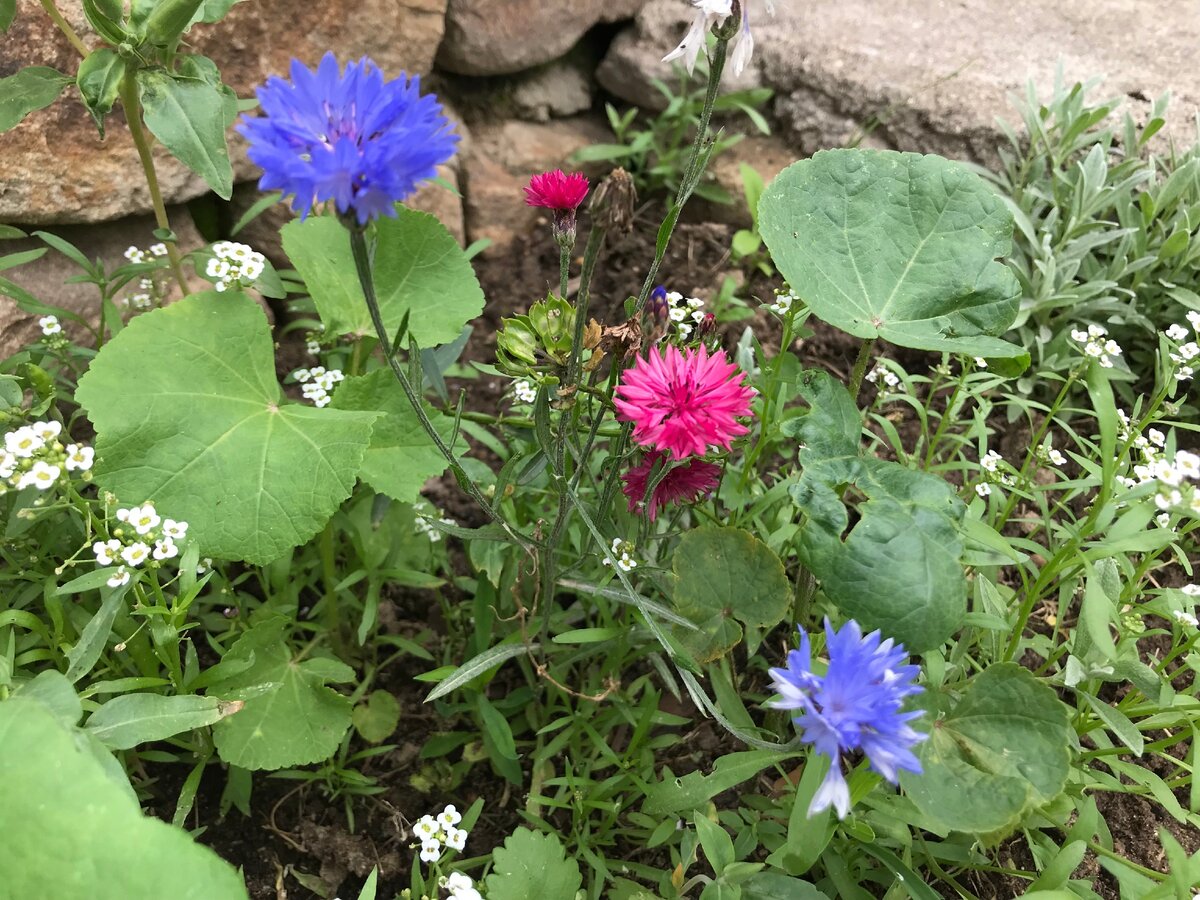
[[70, 833], [532, 864], [895, 245], [377, 717], [1001, 751], [419, 271], [188, 413], [897, 568], [290, 717], [401, 457], [31, 88], [99, 81], [724, 576], [188, 115]]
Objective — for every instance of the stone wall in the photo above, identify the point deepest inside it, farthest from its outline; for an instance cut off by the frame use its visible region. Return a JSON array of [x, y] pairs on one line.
[[525, 76]]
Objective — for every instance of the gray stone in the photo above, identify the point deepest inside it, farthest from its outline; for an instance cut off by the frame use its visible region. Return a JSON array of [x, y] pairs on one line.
[[56, 168], [498, 37], [553, 91], [47, 278]]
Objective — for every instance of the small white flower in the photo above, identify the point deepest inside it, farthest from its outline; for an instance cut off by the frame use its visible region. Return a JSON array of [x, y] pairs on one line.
[[47, 431], [1079, 336], [1056, 457], [1157, 438], [79, 458], [135, 554], [1164, 500], [134, 255], [158, 249], [426, 828], [1187, 464], [1163, 520], [8, 464], [449, 817], [1194, 317], [458, 881], [216, 268], [431, 850], [106, 551], [313, 347], [694, 302], [1192, 590], [1184, 373], [175, 530], [678, 313], [140, 301], [146, 284], [708, 12], [50, 325], [983, 489], [24, 442], [1177, 332], [524, 391], [165, 549], [42, 476], [684, 329], [204, 565], [456, 838], [991, 460], [1096, 331], [1190, 350], [1165, 472], [1185, 618], [118, 578], [981, 362], [143, 518]]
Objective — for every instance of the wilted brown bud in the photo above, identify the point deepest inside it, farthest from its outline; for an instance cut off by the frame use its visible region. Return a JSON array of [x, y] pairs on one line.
[[591, 335], [614, 201], [625, 338]]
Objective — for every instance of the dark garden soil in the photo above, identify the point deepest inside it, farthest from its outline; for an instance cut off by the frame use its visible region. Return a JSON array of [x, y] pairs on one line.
[[297, 842]]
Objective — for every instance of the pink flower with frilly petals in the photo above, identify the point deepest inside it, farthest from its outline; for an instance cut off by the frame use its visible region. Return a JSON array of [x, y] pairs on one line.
[[557, 190], [685, 483], [684, 403]]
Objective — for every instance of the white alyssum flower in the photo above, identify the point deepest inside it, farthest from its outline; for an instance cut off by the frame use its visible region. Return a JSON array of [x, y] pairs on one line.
[[991, 460], [431, 850], [50, 325], [980, 362], [79, 458], [42, 476], [890, 378], [143, 518], [119, 578], [449, 817], [524, 392], [456, 838], [1192, 590], [1194, 318], [983, 489], [622, 552], [461, 887], [134, 255], [24, 442], [1187, 464], [158, 249], [1183, 373], [8, 464], [678, 314], [165, 549], [1056, 457], [783, 304], [1164, 500], [47, 431], [1177, 332], [1166, 473], [107, 552], [177, 531], [1163, 520], [1185, 618], [234, 265], [426, 827], [135, 554], [1097, 345]]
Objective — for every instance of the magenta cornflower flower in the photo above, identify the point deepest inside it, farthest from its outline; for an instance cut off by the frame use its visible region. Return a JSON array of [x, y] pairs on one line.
[[684, 402], [855, 706], [350, 137], [684, 483], [557, 190]]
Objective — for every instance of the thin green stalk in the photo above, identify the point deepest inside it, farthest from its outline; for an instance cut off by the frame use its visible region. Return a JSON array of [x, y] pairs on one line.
[[65, 27], [564, 267], [362, 265], [133, 115], [860, 367]]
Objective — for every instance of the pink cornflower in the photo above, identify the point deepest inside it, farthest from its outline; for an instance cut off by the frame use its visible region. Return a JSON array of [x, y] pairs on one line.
[[686, 483], [557, 190], [683, 403]]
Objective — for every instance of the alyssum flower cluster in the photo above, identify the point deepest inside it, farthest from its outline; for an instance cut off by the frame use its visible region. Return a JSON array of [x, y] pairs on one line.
[[318, 382], [34, 457], [142, 537], [234, 265], [438, 832]]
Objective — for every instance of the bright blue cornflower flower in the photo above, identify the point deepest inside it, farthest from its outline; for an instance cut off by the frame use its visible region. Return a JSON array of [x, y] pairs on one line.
[[855, 705], [352, 138]]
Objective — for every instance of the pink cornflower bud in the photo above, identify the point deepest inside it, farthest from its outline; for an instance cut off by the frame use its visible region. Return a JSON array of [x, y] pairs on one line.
[[562, 194], [684, 402]]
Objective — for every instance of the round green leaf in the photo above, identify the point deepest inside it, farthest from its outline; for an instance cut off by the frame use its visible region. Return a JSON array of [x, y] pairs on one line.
[[72, 834], [895, 245], [724, 576], [290, 717], [420, 273], [1000, 752], [401, 457], [532, 864], [378, 717], [188, 414]]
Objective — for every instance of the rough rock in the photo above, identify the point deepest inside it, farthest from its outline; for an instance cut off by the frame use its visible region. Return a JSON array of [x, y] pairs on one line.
[[56, 169], [634, 59], [553, 91], [934, 75], [497, 37], [46, 278], [498, 167]]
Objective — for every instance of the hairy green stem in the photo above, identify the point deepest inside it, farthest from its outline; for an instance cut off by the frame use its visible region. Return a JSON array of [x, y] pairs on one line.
[[133, 115], [860, 367], [65, 27], [362, 265]]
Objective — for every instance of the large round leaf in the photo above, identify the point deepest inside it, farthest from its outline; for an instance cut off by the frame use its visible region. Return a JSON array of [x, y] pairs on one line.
[[188, 414], [895, 245], [71, 834], [420, 274], [723, 576], [1001, 751]]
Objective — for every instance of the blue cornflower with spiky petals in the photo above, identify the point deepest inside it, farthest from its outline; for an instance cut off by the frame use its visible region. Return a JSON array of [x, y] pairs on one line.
[[855, 705], [352, 138]]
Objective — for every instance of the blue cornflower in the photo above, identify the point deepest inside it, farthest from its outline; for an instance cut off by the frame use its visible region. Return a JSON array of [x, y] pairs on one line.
[[855, 705], [352, 138]]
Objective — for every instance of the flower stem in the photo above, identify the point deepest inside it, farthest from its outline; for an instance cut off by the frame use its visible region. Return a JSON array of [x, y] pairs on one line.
[[362, 265], [65, 27], [564, 267], [133, 115], [860, 367]]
